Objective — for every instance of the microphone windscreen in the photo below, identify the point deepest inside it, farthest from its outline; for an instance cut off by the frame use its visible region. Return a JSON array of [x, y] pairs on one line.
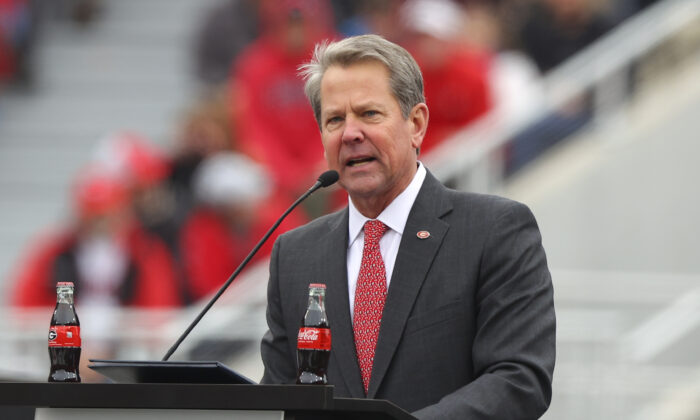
[[328, 178]]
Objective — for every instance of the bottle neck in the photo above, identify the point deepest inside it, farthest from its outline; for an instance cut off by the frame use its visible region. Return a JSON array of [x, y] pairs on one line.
[[316, 300], [64, 296]]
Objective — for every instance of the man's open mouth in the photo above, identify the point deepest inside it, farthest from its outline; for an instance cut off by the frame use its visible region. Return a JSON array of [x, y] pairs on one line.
[[360, 161]]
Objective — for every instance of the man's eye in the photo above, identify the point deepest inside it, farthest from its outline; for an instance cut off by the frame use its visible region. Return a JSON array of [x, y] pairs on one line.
[[333, 120], [371, 113]]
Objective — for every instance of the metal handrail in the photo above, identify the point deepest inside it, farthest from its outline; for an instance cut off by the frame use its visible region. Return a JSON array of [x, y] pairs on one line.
[[466, 159]]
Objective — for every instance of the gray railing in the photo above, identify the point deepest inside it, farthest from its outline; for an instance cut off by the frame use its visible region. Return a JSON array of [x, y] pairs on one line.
[[608, 71]]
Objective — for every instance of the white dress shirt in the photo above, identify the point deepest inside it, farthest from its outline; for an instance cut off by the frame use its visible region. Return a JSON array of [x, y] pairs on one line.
[[395, 217]]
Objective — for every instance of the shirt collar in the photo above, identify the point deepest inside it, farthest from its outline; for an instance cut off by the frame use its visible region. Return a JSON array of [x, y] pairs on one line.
[[394, 215]]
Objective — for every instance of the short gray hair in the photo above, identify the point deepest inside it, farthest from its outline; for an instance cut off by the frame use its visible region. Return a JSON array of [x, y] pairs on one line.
[[405, 78]]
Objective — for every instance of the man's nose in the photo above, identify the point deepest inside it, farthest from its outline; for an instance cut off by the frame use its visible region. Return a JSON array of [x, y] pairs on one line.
[[352, 130]]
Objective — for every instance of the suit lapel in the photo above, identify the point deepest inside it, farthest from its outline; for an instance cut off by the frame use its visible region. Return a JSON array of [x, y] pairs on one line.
[[412, 264], [335, 272]]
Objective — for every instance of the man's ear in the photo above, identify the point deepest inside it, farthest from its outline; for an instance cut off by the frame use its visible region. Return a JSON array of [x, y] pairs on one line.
[[419, 124]]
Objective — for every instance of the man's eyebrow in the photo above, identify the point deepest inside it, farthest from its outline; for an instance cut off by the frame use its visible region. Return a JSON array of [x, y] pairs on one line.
[[330, 111], [370, 104]]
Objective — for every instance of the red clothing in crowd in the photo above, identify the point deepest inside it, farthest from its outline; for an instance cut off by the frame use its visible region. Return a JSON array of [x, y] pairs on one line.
[[7, 60], [10, 14], [457, 92], [211, 251], [149, 281], [275, 122]]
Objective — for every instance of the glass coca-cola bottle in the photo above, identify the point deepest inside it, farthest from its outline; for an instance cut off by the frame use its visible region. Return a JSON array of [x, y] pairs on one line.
[[64, 337], [314, 339]]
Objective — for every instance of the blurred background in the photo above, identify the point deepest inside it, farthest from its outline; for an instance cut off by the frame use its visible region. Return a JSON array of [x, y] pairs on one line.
[[146, 145]]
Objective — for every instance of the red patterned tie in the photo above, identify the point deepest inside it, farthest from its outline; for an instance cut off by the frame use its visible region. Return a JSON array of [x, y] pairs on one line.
[[369, 299]]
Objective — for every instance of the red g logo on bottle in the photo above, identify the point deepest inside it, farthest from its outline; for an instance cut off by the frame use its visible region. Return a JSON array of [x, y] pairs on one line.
[[64, 336]]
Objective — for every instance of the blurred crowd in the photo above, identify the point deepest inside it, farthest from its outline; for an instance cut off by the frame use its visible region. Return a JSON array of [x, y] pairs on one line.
[[165, 228], [17, 33]]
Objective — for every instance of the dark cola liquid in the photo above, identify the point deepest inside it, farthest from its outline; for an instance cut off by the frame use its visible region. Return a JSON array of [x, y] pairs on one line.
[[65, 361], [64, 364], [312, 366], [64, 314]]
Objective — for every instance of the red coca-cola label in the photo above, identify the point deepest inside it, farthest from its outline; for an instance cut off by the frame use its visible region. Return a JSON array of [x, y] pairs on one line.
[[64, 336], [314, 338]]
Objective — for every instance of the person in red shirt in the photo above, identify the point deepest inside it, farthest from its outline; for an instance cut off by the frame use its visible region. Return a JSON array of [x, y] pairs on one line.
[[275, 125], [237, 205], [105, 252], [455, 75]]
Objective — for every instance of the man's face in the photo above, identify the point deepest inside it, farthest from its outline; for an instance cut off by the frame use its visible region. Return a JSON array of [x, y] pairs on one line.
[[365, 137]]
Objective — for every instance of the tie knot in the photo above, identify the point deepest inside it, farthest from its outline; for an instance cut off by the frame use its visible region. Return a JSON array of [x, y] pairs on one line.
[[374, 229]]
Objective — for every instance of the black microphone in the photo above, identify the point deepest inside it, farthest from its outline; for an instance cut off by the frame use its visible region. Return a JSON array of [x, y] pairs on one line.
[[327, 178]]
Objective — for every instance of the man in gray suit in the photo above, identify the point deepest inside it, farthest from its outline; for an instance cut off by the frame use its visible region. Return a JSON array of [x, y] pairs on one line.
[[467, 329]]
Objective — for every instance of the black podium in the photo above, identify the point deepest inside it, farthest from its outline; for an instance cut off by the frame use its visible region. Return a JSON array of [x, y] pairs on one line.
[[59, 401]]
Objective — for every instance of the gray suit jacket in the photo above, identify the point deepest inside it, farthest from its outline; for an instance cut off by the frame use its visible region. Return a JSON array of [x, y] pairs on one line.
[[468, 326]]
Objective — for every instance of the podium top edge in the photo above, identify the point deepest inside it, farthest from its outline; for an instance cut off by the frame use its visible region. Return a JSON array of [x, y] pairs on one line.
[[181, 396]]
